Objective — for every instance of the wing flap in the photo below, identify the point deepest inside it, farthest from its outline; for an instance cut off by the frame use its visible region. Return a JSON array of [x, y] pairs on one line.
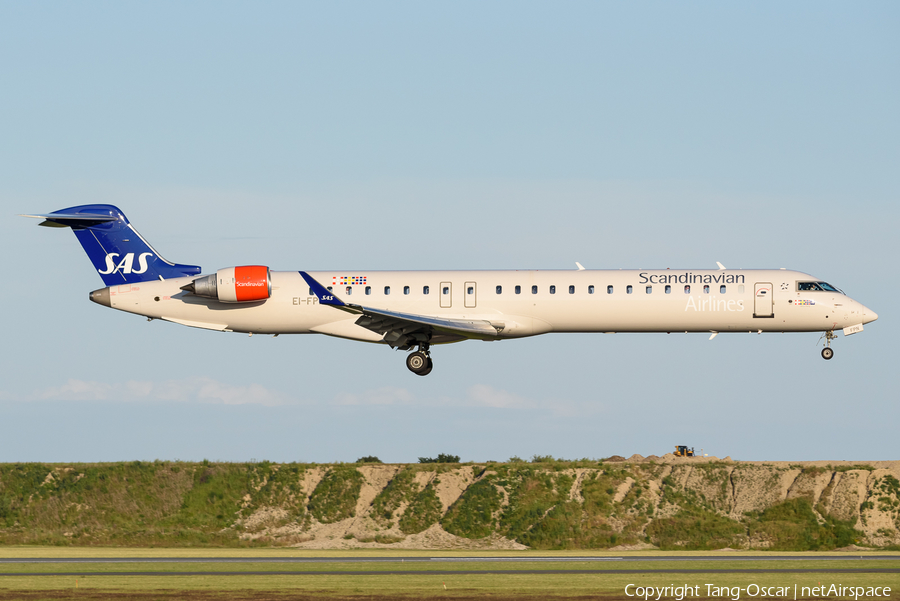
[[378, 318], [404, 330]]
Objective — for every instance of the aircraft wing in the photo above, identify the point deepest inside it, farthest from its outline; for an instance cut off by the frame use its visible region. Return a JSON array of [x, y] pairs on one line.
[[404, 330]]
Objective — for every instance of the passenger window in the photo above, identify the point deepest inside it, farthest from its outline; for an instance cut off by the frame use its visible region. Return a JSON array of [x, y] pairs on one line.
[[311, 292], [518, 290], [552, 289], [571, 289], [706, 289], [741, 289], [668, 289], [649, 289], [406, 290], [499, 289], [591, 289], [446, 290], [628, 289], [721, 289], [534, 289], [470, 290], [329, 289], [349, 290], [368, 290], [609, 289], [387, 289], [687, 289], [425, 289]]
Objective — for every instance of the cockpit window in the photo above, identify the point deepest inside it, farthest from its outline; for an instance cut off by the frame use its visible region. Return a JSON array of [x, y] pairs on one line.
[[816, 287]]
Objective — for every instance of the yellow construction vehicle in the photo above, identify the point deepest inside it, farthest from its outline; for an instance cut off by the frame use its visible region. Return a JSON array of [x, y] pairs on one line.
[[683, 451]]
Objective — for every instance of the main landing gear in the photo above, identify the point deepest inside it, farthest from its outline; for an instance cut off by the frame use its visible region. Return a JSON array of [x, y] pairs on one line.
[[827, 352], [419, 362]]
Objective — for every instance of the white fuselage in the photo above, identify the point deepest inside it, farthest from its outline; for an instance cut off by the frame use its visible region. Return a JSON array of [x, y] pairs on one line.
[[517, 303]]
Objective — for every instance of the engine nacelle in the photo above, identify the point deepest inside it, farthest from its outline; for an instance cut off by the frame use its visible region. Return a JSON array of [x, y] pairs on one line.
[[234, 284]]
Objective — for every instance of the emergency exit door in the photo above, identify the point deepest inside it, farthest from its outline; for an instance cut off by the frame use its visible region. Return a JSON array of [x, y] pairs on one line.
[[762, 300], [471, 292], [446, 295]]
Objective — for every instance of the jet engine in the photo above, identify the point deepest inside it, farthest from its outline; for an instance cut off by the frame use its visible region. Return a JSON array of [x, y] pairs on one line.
[[234, 285]]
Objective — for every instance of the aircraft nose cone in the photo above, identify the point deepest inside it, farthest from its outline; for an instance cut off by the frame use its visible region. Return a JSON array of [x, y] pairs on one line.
[[869, 315]]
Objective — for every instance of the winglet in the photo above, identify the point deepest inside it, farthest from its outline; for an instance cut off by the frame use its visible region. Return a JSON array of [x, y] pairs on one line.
[[325, 297], [720, 265], [580, 266]]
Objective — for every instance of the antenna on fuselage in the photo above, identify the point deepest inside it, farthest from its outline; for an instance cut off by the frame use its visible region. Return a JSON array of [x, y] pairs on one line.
[[580, 266], [720, 265]]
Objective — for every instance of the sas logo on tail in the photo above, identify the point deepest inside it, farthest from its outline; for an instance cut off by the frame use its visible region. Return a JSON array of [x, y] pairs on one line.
[[126, 265]]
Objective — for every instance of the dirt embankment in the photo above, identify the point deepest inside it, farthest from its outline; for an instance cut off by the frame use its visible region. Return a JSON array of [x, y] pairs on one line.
[[667, 502], [863, 494]]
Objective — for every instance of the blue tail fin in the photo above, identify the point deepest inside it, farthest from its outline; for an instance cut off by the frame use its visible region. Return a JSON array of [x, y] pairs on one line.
[[118, 252]]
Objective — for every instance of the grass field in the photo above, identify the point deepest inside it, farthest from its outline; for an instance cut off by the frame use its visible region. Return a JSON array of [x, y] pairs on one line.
[[512, 586], [301, 584]]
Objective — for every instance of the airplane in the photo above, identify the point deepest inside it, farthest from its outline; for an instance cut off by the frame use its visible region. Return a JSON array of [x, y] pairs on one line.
[[409, 310]]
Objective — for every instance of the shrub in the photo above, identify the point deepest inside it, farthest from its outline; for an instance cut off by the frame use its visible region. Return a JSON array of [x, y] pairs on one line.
[[441, 458], [368, 459]]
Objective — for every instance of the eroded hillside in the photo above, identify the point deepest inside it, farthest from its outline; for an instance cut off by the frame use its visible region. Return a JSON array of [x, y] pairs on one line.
[[667, 502]]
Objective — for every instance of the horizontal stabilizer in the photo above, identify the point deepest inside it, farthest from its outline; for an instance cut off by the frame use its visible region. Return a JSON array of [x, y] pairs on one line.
[[72, 219], [118, 252]]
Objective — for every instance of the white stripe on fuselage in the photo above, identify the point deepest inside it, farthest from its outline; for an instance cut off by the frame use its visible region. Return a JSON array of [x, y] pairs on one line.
[[292, 309]]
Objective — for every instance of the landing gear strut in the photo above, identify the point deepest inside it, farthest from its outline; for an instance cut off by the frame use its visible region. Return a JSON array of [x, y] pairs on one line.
[[419, 362], [827, 352]]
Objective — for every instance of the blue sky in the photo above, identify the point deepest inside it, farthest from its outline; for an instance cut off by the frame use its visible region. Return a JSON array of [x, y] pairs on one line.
[[448, 136]]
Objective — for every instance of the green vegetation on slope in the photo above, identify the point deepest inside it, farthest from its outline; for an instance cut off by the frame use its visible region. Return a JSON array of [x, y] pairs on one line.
[[473, 514], [335, 497], [792, 525], [424, 510], [544, 504], [134, 503], [398, 490]]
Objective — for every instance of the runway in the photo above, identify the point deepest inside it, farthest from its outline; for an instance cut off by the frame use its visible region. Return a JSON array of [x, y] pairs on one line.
[[434, 561]]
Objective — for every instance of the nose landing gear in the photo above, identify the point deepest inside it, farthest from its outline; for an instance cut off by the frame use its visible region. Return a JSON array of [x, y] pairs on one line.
[[827, 352], [419, 362]]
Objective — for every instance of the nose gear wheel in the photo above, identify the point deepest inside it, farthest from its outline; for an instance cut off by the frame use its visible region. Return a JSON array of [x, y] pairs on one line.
[[828, 352]]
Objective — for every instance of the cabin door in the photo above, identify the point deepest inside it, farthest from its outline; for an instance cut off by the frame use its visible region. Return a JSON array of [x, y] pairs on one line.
[[446, 296], [471, 291], [762, 300]]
